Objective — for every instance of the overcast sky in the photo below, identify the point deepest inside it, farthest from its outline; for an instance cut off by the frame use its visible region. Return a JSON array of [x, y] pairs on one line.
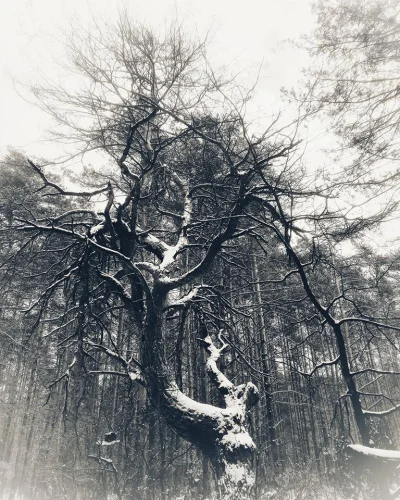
[[244, 34]]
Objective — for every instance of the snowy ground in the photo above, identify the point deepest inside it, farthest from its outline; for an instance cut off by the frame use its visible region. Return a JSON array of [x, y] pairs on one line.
[[304, 485]]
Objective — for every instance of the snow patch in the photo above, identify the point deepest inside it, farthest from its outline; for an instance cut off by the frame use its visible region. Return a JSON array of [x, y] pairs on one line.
[[168, 258], [188, 404], [376, 452], [239, 473], [134, 376], [96, 229], [234, 440], [107, 443]]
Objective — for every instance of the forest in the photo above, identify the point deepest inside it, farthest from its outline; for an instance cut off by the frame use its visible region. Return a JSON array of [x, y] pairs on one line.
[[205, 310]]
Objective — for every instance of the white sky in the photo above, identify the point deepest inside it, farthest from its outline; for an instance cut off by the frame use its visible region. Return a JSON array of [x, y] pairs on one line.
[[245, 34]]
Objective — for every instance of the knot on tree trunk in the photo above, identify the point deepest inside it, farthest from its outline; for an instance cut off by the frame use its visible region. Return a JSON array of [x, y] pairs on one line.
[[247, 393]]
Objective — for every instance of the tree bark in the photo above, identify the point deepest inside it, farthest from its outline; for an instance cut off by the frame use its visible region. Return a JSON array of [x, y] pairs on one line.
[[267, 386], [351, 387], [220, 433]]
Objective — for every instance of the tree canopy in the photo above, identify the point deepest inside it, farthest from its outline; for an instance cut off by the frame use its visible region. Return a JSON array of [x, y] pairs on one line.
[[195, 245]]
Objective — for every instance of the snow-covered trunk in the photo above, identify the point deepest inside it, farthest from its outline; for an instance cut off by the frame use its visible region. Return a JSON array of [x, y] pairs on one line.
[[233, 464], [237, 481], [233, 460], [220, 433]]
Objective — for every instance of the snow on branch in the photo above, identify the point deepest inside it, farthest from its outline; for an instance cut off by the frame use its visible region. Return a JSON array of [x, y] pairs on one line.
[[244, 394], [375, 370], [368, 322], [153, 244], [116, 285], [188, 297], [133, 369], [375, 453], [224, 385], [381, 413], [320, 365], [105, 461], [76, 211], [170, 254]]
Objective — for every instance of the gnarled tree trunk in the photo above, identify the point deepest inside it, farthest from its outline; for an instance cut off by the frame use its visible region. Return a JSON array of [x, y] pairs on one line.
[[220, 433]]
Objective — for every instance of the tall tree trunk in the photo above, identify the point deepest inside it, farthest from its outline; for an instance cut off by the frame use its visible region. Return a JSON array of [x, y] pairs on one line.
[[220, 433], [267, 386], [351, 387]]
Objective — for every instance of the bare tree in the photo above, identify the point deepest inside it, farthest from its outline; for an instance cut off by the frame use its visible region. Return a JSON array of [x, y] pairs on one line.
[[355, 77], [182, 172], [345, 307]]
